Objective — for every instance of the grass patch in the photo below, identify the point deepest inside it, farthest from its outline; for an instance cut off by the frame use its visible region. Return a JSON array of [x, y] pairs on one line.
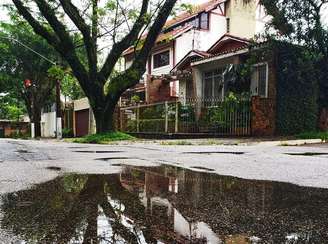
[[323, 136], [176, 143], [104, 138]]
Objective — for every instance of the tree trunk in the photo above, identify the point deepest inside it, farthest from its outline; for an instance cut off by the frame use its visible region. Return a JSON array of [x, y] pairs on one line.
[[105, 118], [37, 121]]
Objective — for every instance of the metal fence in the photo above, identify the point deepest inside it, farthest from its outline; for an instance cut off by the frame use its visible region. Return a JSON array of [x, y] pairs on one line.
[[231, 117]]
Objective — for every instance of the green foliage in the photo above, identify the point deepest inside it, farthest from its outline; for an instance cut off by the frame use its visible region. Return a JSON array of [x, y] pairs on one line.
[[135, 99], [314, 135], [18, 62], [297, 89], [67, 133], [153, 112], [226, 113], [14, 112], [11, 108], [303, 24], [70, 87], [104, 138]]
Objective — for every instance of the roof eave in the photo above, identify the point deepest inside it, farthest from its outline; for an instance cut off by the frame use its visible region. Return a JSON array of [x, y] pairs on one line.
[[219, 57]]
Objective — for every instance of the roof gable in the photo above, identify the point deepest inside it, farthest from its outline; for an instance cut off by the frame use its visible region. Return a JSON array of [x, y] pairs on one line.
[[197, 9], [188, 58], [228, 42]]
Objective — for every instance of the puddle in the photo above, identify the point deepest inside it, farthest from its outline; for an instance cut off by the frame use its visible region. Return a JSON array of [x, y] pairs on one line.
[[23, 151], [236, 153], [307, 154], [54, 168], [111, 158], [165, 204], [203, 168], [82, 151]]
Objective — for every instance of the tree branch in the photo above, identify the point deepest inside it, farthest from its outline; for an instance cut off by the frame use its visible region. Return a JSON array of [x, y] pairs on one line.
[[73, 13], [119, 47], [39, 29], [65, 46], [131, 76]]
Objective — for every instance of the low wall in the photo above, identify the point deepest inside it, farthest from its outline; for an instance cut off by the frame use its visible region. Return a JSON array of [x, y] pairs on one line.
[[323, 120], [263, 117]]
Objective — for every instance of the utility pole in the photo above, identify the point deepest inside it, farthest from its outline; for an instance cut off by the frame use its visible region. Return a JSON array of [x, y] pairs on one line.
[[58, 112]]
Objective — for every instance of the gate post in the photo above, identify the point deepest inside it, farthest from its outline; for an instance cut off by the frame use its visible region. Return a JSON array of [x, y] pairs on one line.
[[166, 117], [138, 119], [176, 129]]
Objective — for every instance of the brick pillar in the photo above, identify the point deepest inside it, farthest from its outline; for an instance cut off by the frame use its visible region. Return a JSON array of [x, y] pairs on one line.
[[158, 91], [263, 116], [323, 121]]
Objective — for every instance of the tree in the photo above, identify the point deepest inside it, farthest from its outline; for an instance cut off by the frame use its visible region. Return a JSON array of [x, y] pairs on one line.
[[118, 23], [19, 63], [302, 24]]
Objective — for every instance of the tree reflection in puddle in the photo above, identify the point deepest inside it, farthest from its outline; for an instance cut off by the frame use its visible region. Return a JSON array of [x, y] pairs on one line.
[[165, 204]]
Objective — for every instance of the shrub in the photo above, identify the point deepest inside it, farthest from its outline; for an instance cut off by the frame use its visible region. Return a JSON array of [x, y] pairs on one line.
[[314, 135], [297, 89], [67, 133], [104, 138]]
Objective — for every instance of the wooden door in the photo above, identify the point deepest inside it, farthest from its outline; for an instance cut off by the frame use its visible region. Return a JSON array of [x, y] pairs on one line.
[[82, 122]]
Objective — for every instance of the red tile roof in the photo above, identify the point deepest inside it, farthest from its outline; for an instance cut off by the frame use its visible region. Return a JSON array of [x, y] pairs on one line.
[[163, 37], [226, 38], [197, 9]]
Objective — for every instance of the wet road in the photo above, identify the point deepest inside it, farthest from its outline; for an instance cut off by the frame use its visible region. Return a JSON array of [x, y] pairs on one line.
[[142, 193]]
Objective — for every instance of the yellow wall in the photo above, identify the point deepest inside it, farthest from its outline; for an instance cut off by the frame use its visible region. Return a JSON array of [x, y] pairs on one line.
[[242, 18]]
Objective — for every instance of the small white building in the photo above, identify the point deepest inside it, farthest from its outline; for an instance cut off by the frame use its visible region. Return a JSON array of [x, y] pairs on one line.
[[48, 121]]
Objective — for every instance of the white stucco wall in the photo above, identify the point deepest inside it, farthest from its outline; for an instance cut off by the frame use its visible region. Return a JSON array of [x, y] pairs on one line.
[[48, 124], [183, 45], [218, 27]]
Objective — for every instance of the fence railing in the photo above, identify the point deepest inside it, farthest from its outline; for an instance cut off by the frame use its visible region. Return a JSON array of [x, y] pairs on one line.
[[231, 117]]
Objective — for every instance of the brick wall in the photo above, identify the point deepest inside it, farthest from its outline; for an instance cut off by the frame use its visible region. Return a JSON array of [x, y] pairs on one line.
[[263, 116], [158, 90], [323, 121], [264, 109]]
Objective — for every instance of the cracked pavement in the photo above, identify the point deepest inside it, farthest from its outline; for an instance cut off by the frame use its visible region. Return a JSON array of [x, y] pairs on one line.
[[24, 163]]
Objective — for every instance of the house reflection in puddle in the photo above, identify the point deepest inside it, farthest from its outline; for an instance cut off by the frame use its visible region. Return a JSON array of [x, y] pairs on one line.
[[154, 187], [165, 205]]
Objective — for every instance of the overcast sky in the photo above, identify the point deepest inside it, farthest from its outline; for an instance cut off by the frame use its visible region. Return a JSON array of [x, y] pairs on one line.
[[3, 14]]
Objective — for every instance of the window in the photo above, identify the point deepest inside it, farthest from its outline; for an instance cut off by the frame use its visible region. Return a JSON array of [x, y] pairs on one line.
[[162, 59], [204, 23], [200, 22], [228, 25], [213, 84], [259, 84]]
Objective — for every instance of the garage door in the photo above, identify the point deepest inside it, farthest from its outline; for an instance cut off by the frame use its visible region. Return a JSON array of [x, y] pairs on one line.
[[82, 122]]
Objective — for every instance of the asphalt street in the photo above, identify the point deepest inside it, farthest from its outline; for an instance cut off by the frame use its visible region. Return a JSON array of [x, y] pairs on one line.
[[24, 163]]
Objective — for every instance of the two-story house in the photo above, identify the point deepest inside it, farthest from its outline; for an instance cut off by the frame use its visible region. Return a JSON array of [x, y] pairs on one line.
[[192, 35]]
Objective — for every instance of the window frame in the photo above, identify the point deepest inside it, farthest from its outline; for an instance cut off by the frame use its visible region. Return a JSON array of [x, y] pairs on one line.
[[159, 53], [255, 66], [212, 75], [207, 22]]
